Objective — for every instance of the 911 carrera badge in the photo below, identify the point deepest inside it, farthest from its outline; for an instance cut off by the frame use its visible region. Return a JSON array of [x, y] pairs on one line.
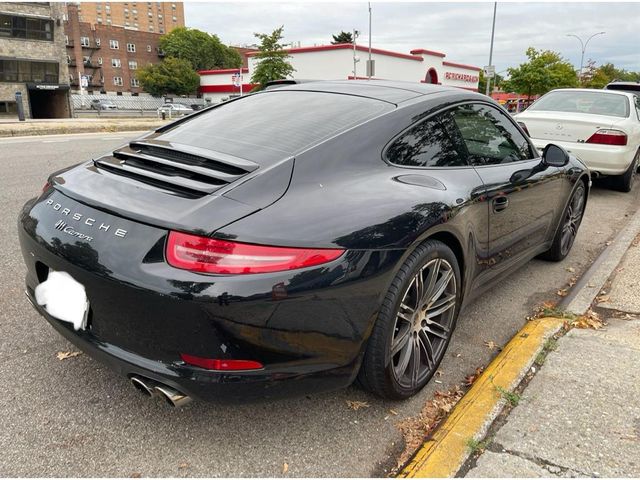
[[84, 221]]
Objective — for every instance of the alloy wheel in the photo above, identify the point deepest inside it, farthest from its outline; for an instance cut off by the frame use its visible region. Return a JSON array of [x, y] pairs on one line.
[[572, 220], [424, 323]]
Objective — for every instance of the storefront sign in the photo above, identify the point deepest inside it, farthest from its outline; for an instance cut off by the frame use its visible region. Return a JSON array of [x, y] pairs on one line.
[[463, 77]]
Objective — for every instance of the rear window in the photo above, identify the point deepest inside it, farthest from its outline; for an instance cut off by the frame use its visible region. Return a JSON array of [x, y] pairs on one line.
[[626, 87], [595, 103], [268, 126]]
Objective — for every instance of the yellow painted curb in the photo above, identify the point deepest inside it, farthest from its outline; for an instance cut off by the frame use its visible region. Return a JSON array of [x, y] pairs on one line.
[[447, 450]]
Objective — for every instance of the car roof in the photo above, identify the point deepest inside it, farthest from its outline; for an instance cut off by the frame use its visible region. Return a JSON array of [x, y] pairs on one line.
[[384, 90]]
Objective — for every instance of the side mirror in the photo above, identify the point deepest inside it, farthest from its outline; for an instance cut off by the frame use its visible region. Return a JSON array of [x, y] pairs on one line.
[[554, 156]]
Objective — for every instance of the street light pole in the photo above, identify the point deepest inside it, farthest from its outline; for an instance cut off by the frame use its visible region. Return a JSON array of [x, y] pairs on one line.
[[493, 31], [356, 33], [583, 46], [370, 65]]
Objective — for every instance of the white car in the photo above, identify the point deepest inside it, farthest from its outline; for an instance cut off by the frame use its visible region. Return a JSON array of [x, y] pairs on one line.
[[175, 109], [600, 127]]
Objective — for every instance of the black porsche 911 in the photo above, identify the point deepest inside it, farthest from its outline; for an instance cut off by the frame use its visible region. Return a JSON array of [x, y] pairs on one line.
[[293, 240]]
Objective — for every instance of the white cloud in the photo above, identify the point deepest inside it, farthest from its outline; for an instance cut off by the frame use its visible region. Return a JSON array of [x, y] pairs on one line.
[[461, 30]]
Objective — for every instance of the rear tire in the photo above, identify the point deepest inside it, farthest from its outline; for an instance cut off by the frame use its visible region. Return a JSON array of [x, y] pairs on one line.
[[568, 229], [625, 182], [415, 323]]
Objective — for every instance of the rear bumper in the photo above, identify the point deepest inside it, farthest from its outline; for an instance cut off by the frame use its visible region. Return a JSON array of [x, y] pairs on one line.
[[307, 327], [604, 159]]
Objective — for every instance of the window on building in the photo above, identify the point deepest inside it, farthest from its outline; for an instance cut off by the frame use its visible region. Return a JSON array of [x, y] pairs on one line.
[[12, 26], [150, 14], [126, 24], [148, 48], [98, 41], [25, 71], [66, 39], [99, 19], [134, 11], [116, 63], [126, 10], [173, 6], [86, 60], [133, 65], [161, 30], [135, 82], [117, 81], [99, 60], [84, 41], [108, 21], [114, 44], [8, 109], [175, 19], [135, 24], [151, 28], [98, 7], [107, 7], [131, 47], [159, 15]]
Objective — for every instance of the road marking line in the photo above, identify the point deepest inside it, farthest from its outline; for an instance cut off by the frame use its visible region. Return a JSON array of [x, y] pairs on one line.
[[447, 450], [55, 141]]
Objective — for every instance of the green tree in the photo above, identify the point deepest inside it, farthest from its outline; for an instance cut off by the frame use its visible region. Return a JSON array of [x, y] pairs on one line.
[[342, 37], [202, 50], [272, 59], [172, 75], [594, 77], [544, 71]]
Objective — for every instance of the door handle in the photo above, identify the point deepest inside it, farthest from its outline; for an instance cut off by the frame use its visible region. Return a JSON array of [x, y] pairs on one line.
[[500, 203]]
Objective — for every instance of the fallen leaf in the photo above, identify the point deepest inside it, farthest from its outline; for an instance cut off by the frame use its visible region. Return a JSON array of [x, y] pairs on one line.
[[589, 320], [469, 379], [285, 468], [183, 465], [491, 345], [602, 298], [356, 404], [65, 355], [608, 243], [570, 269], [136, 475], [439, 373], [393, 412], [562, 292]]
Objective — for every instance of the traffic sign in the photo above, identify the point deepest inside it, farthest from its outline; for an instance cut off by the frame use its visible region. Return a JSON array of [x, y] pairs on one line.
[[84, 81], [490, 71]]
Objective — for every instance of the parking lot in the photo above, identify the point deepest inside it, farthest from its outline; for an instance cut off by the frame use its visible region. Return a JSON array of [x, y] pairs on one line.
[[74, 417]]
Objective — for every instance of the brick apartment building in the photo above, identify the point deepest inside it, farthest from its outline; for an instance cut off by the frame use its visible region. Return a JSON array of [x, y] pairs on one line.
[[108, 55], [155, 17], [32, 60]]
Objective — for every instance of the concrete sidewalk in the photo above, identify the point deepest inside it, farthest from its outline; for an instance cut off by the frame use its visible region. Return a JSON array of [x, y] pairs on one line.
[[580, 414], [77, 125]]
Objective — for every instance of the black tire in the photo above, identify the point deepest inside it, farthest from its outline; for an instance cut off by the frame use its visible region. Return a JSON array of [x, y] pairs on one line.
[[569, 224], [411, 322], [625, 182]]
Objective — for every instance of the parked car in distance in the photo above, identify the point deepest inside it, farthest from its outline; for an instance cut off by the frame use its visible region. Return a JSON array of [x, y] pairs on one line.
[[175, 109], [601, 127], [100, 104], [632, 87], [295, 239]]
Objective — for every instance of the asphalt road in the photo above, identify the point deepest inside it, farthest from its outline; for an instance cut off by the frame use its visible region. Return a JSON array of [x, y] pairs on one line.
[[76, 418]]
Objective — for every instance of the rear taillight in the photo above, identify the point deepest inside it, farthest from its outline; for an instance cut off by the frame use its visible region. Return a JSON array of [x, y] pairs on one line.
[[524, 127], [218, 364], [210, 255], [608, 137]]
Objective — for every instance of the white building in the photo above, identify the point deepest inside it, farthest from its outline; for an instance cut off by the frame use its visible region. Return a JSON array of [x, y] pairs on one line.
[[335, 62]]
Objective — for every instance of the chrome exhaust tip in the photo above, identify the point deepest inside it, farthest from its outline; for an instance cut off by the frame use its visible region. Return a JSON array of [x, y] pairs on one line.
[[172, 396], [143, 387]]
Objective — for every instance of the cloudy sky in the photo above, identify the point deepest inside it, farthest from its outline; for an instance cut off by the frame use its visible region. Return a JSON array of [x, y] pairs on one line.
[[461, 30]]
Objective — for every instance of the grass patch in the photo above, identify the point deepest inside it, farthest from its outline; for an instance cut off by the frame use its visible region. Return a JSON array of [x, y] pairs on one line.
[[553, 311], [477, 446], [512, 397], [549, 346]]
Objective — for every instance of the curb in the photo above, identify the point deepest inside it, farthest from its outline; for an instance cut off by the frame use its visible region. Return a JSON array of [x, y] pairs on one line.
[[591, 282], [445, 453], [64, 130]]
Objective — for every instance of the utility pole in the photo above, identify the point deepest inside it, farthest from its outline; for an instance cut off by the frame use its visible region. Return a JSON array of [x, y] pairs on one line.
[[493, 31], [583, 47], [370, 63]]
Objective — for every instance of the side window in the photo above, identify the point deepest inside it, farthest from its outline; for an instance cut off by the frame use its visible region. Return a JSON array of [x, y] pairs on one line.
[[636, 101], [489, 136], [431, 143]]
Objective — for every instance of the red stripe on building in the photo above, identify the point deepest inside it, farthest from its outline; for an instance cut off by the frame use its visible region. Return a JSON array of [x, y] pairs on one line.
[[349, 46], [419, 51], [230, 88], [460, 65], [223, 70]]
